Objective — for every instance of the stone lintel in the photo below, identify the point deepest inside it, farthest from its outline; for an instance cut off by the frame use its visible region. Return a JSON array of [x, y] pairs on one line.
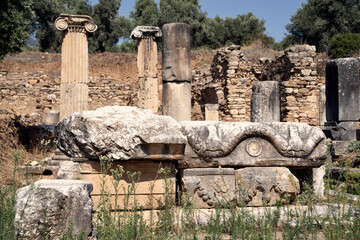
[[141, 32], [75, 22]]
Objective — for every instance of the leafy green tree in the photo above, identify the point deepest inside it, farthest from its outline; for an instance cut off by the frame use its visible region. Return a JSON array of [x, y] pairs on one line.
[[319, 20], [344, 45], [244, 29], [145, 13], [215, 32], [109, 25], [15, 22], [46, 12], [186, 11]]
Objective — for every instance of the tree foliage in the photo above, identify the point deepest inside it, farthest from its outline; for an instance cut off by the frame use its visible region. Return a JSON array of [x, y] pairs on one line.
[[186, 11], [319, 20], [109, 25], [15, 23], [145, 13], [344, 45], [46, 12]]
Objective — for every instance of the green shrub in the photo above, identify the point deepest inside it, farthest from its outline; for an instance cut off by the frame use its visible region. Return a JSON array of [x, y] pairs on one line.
[[344, 45]]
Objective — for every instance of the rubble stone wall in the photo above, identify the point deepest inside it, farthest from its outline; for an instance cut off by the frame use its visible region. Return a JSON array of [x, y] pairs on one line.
[[229, 79]]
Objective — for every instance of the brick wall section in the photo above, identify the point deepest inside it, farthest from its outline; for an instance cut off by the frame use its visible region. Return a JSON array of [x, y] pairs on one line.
[[228, 82]]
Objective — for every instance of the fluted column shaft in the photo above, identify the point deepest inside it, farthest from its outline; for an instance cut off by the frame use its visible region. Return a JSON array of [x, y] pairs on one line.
[[74, 63]]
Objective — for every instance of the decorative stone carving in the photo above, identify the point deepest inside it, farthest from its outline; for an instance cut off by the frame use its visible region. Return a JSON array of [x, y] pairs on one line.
[[209, 187], [253, 144], [74, 62], [146, 32], [76, 23], [120, 133], [52, 207], [259, 186]]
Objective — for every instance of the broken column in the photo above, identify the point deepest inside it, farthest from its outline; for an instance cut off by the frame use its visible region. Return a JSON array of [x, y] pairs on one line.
[[211, 112], [342, 99], [176, 71], [147, 66], [74, 62], [265, 102]]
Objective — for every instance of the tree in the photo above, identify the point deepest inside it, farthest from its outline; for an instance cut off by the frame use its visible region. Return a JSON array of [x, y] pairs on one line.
[[344, 45], [186, 11], [15, 23], [319, 20], [46, 11], [244, 29], [109, 25], [145, 13]]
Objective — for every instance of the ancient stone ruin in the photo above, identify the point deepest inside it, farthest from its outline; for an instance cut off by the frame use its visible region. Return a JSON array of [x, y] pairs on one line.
[[255, 148]]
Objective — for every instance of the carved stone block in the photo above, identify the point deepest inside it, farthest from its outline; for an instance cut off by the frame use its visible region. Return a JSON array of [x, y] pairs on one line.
[[208, 187], [259, 186], [244, 144]]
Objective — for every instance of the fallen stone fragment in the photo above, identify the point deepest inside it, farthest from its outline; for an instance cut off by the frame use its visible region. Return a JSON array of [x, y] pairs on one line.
[[259, 186], [244, 144], [120, 133], [50, 207]]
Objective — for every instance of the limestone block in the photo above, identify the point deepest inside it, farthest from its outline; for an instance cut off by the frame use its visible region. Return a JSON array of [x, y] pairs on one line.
[[240, 144], [68, 170], [343, 89], [265, 102], [211, 112], [154, 181], [120, 133], [53, 206], [209, 187], [176, 53], [322, 106], [259, 186]]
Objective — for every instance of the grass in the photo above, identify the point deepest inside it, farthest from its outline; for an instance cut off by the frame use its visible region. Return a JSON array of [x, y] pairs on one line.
[[224, 222]]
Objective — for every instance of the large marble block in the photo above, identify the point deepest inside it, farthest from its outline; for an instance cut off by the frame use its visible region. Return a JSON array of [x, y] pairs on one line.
[[209, 187], [120, 133], [243, 144], [343, 89]]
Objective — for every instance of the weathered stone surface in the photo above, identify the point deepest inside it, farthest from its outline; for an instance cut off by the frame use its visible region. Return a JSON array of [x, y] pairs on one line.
[[211, 112], [261, 186], [176, 100], [209, 187], [53, 206], [241, 144], [68, 170], [176, 55], [265, 102], [120, 133], [343, 89]]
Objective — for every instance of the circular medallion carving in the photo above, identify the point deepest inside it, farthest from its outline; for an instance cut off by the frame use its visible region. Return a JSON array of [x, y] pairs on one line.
[[253, 148], [61, 24]]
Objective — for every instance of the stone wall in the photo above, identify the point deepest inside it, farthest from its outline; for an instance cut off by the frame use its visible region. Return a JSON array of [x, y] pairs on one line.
[[229, 79], [29, 83]]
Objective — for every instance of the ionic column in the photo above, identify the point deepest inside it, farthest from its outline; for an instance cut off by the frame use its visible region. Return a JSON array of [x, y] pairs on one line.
[[74, 62], [176, 71], [147, 66]]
